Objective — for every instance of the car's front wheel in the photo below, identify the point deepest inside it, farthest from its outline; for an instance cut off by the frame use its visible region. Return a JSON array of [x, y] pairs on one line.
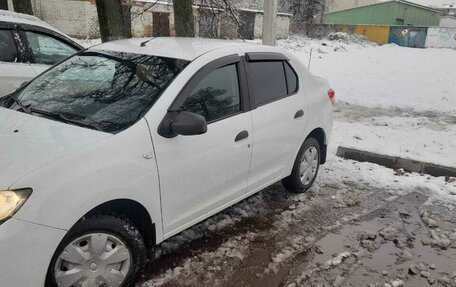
[[305, 168], [101, 250]]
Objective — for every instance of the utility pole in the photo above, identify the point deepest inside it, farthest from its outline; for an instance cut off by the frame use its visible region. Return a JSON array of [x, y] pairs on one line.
[[323, 10], [270, 22]]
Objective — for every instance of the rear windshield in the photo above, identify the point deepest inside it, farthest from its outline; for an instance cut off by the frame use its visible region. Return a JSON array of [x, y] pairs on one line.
[[101, 90]]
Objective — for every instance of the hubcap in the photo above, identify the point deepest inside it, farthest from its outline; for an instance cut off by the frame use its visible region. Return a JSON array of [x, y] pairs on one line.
[[93, 260], [309, 165]]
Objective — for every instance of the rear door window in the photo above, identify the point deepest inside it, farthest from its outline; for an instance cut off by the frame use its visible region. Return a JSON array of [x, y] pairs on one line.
[[8, 50], [267, 81], [48, 50]]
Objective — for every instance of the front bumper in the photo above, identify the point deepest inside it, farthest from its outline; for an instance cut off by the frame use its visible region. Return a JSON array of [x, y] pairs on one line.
[[25, 252]]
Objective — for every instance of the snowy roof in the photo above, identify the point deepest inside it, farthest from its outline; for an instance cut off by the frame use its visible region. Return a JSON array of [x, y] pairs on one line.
[[13, 17], [433, 3], [173, 47]]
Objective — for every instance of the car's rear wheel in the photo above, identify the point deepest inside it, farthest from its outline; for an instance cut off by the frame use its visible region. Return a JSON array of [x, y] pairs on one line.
[[98, 251], [305, 168]]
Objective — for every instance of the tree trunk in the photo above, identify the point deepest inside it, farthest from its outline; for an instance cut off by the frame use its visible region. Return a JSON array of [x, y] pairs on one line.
[[183, 18], [23, 6], [113, 19]]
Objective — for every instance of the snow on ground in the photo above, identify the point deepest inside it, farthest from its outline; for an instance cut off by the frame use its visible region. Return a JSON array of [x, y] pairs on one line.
[[386, 76], [402, 100], [416, 137]]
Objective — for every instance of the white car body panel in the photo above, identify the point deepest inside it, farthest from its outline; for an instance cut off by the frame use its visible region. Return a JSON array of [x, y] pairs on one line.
[[185, 198], [39, 68], [29, 142], [179, 181], [109, 169], [13, 75], [38, 242]]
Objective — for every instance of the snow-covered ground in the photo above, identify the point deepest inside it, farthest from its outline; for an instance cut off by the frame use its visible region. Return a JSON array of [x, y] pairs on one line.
[[393, 100]]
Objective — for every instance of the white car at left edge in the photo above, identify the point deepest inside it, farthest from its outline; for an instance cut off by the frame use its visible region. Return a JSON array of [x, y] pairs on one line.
[[28, 47]]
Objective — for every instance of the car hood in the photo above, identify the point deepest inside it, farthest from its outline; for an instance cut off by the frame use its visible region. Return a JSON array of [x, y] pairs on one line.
[[28, 142]]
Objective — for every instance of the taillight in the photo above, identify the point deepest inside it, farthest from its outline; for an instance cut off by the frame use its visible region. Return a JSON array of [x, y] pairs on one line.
[[332, 96]]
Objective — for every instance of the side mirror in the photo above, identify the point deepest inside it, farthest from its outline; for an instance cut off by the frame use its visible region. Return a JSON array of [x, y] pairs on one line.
[[182, 123]]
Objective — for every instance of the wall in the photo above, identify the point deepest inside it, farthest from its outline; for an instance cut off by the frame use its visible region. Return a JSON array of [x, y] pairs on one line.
[[142, 20], [441, 38], [406, 36], [283, 25], [81, 21], [378, 14], [388, 13], [416, 15], [374, 33], [377, 34], [448, 21]]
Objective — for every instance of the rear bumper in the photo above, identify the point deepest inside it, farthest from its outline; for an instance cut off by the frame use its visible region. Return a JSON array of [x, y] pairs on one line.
[[25, 252]]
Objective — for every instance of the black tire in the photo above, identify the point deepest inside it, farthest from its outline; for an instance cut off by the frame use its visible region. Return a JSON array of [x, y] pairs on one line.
[[293, 182], [119, 227]]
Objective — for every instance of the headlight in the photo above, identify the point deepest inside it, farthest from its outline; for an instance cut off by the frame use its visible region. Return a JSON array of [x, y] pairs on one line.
[[11, 201]]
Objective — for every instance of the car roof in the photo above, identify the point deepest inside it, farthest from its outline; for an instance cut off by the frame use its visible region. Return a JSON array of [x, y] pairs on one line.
[[174, 47], [18, 18]]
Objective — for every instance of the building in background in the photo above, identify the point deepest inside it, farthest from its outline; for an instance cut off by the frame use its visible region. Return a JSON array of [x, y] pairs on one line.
[[448, 15], [338, 5], [151, 18], [396, 12]]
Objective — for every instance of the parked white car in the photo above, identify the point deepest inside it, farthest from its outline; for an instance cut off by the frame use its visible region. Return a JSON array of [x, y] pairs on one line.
[[28, 46], [130, 142]]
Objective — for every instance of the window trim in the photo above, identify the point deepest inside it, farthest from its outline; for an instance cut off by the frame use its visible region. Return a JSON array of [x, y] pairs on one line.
[[206, 70], [18, 53], [265, 57], [50, 33], [298, 86], [249, 72]]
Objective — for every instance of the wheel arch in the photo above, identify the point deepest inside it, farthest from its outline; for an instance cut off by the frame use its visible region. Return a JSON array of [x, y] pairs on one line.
[[320, 135], [131, 210]]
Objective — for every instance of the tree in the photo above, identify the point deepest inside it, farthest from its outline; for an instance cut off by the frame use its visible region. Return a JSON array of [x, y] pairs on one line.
[[305, 11], [23, 6], [114, 19], [183, 18]]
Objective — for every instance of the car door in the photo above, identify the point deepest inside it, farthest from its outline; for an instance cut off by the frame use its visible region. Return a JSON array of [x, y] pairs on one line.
[[200, 174], [47, 50], [278, 113], [13, 69]]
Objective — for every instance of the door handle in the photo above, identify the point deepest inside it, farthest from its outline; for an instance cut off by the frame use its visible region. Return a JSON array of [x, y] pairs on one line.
[[299, 114], [242, 135]]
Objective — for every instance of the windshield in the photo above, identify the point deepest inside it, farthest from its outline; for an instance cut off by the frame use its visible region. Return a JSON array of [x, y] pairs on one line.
[[101, 90]]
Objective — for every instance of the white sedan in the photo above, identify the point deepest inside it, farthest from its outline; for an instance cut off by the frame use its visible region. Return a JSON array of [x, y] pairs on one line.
[[130, 142]]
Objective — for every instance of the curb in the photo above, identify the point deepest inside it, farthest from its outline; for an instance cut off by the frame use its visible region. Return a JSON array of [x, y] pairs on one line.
[[395, 162]]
